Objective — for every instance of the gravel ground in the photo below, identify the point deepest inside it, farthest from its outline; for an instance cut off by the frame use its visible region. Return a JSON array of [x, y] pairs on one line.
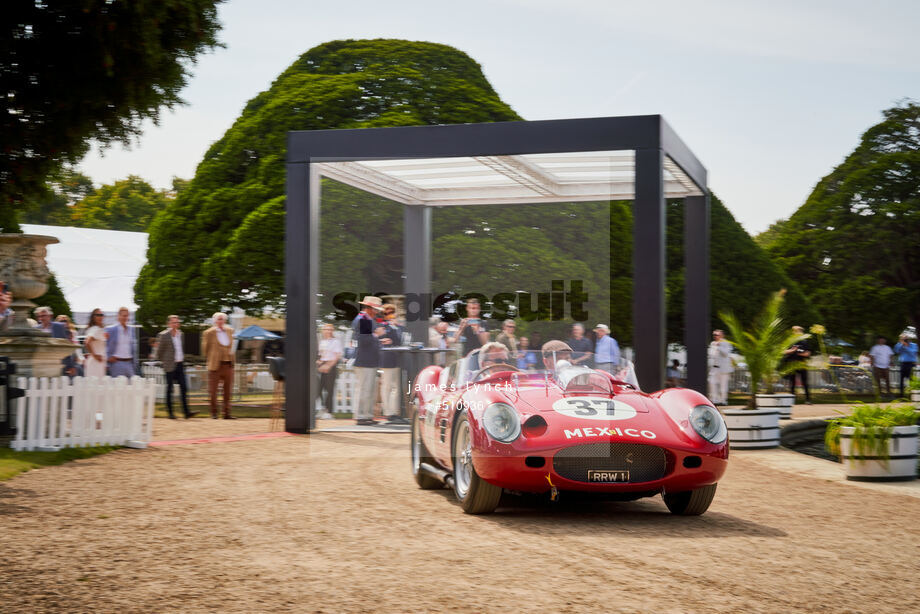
[[335, 523]]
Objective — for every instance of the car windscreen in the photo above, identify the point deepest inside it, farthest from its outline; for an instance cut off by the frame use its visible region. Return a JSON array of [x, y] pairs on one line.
[[553, 366]]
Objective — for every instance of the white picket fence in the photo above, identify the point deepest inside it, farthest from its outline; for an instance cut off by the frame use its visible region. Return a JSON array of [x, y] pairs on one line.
[[345, 386], [57, 413]]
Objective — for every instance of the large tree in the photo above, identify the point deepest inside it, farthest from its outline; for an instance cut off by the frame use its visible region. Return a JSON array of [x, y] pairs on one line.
[[194, 263], [853, 246], [76, 72], [221, 243], [742, 275], [127, 204], [63, 188]]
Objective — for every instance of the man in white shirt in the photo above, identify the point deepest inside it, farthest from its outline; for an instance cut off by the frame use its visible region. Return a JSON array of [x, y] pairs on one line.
[[720, 368], [120, 346], [438, 338], [881, 361], [171, 354], [330, 352], [606, 350]]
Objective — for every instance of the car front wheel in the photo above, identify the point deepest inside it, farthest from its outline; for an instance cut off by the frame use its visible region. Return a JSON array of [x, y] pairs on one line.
[[475, 494], [690, 502]]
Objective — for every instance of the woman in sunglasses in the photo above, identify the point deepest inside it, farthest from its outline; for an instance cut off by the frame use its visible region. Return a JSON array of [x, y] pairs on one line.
[[94, 345]]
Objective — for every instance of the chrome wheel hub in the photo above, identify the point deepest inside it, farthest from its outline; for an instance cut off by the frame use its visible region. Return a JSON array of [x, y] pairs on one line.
[[463, 453]]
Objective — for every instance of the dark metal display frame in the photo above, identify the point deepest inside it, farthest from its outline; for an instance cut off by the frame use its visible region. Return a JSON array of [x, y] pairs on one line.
[[649, 136]]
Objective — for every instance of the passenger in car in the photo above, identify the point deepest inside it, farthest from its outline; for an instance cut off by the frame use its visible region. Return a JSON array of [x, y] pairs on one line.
[[555, 351]]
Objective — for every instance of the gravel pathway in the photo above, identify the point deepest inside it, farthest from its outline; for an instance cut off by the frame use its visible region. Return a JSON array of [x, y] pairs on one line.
[[333, 522]]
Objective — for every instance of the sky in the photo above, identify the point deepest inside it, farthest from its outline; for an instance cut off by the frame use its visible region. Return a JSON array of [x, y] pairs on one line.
[[770, 96]]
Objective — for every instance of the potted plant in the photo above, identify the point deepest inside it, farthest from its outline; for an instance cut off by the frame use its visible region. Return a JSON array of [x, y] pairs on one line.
[[875, 442], [762, 345], [914, 388]]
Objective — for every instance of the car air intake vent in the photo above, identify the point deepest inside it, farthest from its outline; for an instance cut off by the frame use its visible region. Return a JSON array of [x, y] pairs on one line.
[[607, 462]]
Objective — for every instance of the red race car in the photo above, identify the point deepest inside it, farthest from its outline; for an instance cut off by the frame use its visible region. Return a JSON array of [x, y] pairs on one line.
[[484, 427]]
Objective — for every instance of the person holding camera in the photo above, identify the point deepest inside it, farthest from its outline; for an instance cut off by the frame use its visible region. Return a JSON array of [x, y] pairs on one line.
[[472, 331], [906, 351]]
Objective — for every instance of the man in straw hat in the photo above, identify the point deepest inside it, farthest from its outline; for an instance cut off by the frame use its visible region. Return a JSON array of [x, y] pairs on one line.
[[367, 358]]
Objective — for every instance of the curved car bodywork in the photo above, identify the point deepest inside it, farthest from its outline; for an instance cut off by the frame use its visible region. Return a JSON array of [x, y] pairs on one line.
[[610, 439]]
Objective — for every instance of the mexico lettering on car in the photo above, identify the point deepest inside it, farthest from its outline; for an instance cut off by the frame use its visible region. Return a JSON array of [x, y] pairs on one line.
[[604, 431]]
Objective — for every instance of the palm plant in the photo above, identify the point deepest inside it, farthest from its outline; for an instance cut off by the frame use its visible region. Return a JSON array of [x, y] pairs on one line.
[[762, 344]]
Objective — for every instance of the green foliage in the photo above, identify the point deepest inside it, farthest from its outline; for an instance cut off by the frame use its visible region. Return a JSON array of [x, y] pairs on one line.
[[63, 189], [128, 204], [741, 274], [71, 200], [75, 72], [873, 424], [220, 243], [853, 245], [762, 343], [55, 299], [230, 209], [511, 257], [251, 269], [13, 462], [178, 184], [765, 238]]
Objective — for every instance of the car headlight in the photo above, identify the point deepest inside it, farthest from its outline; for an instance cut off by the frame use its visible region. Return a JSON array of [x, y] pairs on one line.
[[501, 422], [708, 423]]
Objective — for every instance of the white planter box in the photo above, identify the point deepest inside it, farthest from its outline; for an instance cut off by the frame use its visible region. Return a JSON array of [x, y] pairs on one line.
[[782, 402], [752, 428], [902, 463], [915, 398]]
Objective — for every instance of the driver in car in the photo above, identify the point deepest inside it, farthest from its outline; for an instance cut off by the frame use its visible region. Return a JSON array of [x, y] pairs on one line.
[[493, 353], [493, 356]]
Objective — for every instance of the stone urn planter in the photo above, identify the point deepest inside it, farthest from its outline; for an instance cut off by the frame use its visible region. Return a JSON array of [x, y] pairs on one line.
[[782, 402], [752, 429], [900, 463], [23, 268]]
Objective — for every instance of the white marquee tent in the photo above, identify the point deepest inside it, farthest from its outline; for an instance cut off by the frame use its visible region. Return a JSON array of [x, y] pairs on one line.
[[95, 268]]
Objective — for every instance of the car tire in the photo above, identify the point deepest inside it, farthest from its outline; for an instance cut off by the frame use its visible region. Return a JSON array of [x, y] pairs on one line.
[[690, 502], [419, 454], [476, 496]]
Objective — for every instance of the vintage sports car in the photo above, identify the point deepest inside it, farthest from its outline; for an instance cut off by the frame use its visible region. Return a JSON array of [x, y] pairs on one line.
[[483, 428]]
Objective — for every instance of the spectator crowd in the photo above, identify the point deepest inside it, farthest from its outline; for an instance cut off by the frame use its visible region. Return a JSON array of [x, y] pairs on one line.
[[112, 351]]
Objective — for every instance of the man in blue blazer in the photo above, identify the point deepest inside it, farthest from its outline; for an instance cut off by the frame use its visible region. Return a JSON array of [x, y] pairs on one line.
[[120, 346], [58, 330]]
